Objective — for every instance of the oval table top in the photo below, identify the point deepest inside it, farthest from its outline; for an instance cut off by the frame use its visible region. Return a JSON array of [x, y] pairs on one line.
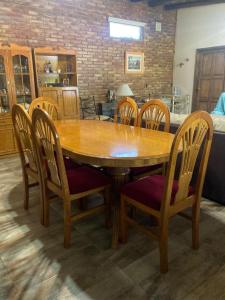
[[113, 145]]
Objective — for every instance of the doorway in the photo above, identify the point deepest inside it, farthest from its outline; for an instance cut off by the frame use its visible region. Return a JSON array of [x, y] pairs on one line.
[[209, 78]]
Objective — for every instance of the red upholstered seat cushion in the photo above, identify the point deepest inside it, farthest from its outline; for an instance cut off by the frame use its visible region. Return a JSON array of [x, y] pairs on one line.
[[85, 178], [141, 170], [149, 190], [69, 163]]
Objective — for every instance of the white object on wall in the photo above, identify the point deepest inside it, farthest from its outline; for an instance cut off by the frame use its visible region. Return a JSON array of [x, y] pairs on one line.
[[158, 26]]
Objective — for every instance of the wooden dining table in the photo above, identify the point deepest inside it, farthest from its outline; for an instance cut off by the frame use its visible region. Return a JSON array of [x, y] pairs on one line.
[[116, 147]]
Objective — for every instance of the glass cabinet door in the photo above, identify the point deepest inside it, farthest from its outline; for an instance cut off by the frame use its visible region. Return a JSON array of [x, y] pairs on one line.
[[21, 74], [4, 93]]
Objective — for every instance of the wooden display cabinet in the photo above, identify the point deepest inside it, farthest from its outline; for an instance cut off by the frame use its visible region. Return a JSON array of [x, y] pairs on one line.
[[16, 86], [56, 77]]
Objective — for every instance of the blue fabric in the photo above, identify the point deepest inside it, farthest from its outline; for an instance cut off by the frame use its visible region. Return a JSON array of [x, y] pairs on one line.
[[220, 106]]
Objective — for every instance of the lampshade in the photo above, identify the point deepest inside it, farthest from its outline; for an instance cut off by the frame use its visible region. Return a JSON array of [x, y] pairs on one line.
[[124, 90]]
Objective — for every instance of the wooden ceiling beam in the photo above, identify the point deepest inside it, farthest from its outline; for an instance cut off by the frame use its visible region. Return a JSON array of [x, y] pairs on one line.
[[176, 4], [186, 4], [157, 2]]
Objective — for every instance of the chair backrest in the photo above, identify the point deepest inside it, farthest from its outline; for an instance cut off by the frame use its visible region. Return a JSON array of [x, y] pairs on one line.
[[24, 137], [196, 131], [50, 151], [46, 104], [152, 114], [126, 111], [88, 107]]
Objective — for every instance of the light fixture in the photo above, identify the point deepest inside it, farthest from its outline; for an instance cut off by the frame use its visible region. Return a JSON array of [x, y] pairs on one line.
[[124, 90]]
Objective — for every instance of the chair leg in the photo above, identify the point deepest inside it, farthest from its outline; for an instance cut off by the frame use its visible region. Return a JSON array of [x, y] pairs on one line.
[[46, 207], [123, 223], [42, 200], [163, 246], [133, 212], [195, 225], [108, 207], [67, 223], [26, 190]]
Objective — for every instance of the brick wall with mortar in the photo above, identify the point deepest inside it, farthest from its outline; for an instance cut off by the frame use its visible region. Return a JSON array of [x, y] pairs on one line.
[[83, 25]]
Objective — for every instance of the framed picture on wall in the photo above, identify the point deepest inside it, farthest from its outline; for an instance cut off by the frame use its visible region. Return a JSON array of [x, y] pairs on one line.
[[134, 62]]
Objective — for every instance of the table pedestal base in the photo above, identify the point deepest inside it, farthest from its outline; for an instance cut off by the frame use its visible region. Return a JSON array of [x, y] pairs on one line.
[[120, 176]]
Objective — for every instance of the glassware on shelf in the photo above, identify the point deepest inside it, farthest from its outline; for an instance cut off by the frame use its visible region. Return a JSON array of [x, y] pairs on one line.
[[66, 82], [24, 64], [2, 68], [17, 68], [4, 101], [3, 92], [2, 65], [69, 68], [48, 67], [26, 90], [22, 91]]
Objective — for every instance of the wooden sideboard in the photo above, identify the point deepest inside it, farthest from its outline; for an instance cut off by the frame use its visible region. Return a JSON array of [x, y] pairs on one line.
[[56, 78]]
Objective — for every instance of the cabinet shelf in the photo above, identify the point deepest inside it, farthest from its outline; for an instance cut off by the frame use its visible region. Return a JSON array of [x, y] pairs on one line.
[[19, 74], [56, 74]]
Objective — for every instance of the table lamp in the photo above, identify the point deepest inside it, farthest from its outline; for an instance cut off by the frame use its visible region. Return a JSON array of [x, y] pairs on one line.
[[124, 90]]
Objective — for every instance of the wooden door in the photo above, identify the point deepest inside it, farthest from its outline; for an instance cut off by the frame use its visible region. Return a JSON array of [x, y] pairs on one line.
[[209, 78]]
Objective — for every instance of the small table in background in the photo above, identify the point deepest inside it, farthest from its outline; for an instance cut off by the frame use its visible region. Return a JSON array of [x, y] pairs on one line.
[[107, 108]]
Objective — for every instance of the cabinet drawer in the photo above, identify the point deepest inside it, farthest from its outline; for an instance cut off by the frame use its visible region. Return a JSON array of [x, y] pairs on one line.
[[5, 120], [7, 138]]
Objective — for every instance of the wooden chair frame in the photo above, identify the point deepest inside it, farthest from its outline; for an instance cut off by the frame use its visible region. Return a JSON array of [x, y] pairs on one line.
[[153, 112], [46, 104], [127, 110], [195, 132], [28, 153], [55, 179]]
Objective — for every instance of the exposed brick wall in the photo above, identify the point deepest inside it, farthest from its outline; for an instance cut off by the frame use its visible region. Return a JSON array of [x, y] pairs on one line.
[[83, 25]]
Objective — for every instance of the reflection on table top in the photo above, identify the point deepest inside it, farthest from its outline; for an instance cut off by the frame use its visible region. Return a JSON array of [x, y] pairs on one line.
[[113, 145]]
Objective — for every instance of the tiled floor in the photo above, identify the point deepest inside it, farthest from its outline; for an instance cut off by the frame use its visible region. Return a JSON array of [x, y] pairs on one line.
[[34, 264]]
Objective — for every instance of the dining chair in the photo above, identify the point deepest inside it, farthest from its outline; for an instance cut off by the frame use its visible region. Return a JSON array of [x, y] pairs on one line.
[[164, 196], [126, 111], [27, 151], [69, 185], [154, 115], [90, 110], [46, 104]]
